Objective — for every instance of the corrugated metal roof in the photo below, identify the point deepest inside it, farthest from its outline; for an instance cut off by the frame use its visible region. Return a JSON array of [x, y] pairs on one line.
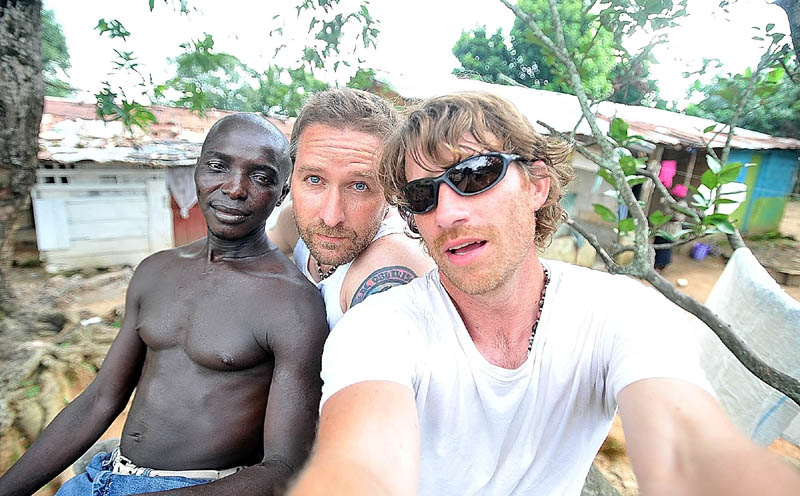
[[562, 112], [70, 132]]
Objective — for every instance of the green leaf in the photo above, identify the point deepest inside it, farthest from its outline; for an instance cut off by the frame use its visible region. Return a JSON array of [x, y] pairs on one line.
[[605, 213], [152, 4], [775, 75], [723, 201], [628, 165], [605, 174], [636, 180], [626, 225], [777, 37], [619, 130], [664, 234], [724, 225], [699, 201], [729, 173], [713, 164], [769, 27], [658, 218], [709, 179], [709, 128]]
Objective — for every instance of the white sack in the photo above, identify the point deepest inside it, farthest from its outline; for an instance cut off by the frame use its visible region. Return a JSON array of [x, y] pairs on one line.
[[766, 318]]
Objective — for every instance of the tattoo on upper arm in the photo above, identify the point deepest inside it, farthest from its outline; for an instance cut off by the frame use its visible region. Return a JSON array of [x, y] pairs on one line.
[[381, 280]]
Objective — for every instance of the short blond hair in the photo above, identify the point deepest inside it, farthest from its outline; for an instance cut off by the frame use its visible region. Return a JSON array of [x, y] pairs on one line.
[[432, 133], [346, 108]]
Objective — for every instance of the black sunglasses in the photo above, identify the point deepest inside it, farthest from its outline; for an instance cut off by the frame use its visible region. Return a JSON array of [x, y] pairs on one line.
[[468, 177]]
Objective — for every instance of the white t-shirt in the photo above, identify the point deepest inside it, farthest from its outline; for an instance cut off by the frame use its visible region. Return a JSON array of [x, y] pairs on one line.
[[331, 286], [533, 430]]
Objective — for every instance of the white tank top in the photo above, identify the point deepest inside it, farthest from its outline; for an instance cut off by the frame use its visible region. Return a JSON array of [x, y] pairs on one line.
[[331, 286]]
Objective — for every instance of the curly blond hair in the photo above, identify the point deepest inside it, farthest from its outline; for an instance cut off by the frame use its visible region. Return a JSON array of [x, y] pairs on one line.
[[432, 133]]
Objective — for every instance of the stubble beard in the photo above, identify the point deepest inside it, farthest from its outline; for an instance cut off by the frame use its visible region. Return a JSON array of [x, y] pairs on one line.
[[323, 252], [493, 270]]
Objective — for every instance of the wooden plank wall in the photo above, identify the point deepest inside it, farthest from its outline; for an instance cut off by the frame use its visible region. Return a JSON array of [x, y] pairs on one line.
[[85, 223]]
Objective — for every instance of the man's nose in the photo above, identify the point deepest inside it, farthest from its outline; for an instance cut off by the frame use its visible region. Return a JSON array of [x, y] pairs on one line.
[[235, 187], [332, 211], [452, 208]]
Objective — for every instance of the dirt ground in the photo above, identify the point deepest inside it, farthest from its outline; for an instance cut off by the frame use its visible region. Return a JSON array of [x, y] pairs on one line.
[[612, 459]]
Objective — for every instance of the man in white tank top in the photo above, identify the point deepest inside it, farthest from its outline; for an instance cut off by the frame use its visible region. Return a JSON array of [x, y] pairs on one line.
[[338, 225], [500, 373]]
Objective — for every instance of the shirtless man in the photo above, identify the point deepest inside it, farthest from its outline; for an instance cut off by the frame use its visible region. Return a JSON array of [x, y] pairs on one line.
[[343, 234], [221, 339]]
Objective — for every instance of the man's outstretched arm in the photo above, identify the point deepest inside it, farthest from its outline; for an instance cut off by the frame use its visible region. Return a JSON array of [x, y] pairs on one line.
[[85, 419], [368, 444], [681, 442]]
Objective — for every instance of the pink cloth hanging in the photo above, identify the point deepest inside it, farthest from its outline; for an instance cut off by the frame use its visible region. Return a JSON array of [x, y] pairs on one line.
[[668, 170]]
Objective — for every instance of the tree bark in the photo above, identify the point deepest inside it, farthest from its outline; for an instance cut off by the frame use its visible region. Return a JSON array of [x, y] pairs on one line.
[[792, 9], [21, 102]]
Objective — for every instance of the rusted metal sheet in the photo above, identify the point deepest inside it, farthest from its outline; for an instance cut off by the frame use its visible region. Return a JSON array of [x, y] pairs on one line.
[[71, 132]]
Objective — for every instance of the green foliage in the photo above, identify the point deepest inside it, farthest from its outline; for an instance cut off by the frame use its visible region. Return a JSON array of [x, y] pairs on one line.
[[699, 222], [618, 130], [362, 80], [327, 28], [113, 106], [114, 28], [626, 225], [589, 44], [488, 57], [658, 219], [55, 56], [605, 213], [209, 79], [632, 84], [774, 111], [522, 59]]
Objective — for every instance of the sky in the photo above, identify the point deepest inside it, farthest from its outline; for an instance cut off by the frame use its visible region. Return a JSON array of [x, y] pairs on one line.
[[415, 41]]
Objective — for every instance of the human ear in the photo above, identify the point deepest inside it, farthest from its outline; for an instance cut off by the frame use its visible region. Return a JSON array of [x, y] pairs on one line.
[[284, 192], [539, 184]]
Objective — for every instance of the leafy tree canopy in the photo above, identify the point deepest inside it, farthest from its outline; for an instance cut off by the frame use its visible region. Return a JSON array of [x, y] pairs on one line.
[[775, 109], [521, 58], [55, 56]]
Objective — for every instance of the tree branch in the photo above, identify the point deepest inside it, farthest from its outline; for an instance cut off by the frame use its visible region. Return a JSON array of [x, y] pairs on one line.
[[575, 143], [588, 49], [696, 216], [609, 262], [680, 242], [736, 240], [774, 378]]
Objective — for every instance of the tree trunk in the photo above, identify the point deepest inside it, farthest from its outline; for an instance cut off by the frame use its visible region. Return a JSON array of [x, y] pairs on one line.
[[21, 102], [792, 9]]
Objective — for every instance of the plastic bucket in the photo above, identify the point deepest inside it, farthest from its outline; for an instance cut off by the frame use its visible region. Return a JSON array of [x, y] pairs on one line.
[[700, 251]]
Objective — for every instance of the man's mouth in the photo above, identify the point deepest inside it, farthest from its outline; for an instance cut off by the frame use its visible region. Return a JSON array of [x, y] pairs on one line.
[[466, 247], [228, 210], [228, 214]]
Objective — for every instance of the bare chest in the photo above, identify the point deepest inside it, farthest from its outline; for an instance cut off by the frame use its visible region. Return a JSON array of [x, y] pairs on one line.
[[218, 320]]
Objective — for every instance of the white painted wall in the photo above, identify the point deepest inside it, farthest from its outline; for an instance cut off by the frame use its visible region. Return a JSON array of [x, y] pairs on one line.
[[100, 217]]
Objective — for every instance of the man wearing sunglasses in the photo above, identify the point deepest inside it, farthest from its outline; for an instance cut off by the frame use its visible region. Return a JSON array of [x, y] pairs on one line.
[[500, 373], [338, 226]]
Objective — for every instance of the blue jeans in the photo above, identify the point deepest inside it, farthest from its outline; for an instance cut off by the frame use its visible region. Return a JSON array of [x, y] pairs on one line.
[[98, 480]]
